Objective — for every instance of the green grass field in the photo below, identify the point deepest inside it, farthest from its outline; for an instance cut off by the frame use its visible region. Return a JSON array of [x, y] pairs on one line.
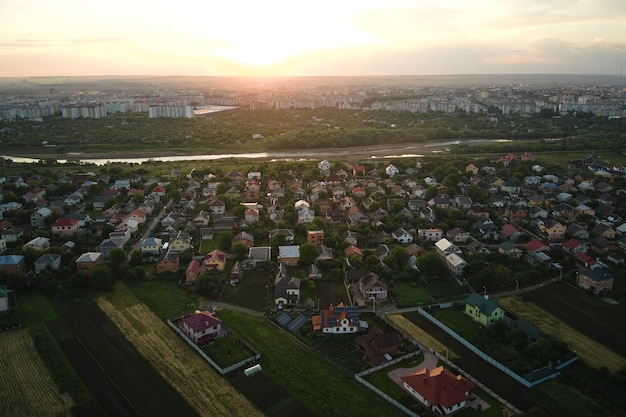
[[251, 291], [227, 351], [305, 374], [410, 295], [456, 320]]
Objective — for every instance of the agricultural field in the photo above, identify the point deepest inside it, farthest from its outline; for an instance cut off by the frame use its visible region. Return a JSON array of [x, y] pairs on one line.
[[208, 393], [304, 374], [331, 293], [27, 387], [117, 375], [589, 350], [585, 313]]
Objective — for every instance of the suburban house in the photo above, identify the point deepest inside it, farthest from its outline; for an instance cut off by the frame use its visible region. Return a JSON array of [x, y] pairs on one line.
[[202, 327], [599, 280], [438, 389], [151, 246], [370, 285], [37, 219], [48, 260], [64, 226], [315, 237], [337, 319], [193, 270], [510, 249], [107, 245], [214, 261], [455, 264], [286, 291], [377, 346], [170, 261], [88, 261], [259, 256], [432, 234], [39, 243], [11, 263], [179, 241], [243, 238], [289, 255], [402, 236], [483, 310]]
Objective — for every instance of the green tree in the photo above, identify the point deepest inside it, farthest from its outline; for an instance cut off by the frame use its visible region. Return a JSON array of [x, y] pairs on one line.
[[308, 253], [117, 258], [240, 251], [136, 258], [101, 278]]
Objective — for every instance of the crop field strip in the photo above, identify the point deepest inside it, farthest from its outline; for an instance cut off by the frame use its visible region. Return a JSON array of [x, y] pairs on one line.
[[99, 384], [590, 351], [122, 381], [194, 379], [586, 314], [27, 387]]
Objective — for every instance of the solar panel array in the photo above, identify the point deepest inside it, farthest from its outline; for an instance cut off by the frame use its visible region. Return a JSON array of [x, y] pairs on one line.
[[292, 325], [283, 319], [297, 323]]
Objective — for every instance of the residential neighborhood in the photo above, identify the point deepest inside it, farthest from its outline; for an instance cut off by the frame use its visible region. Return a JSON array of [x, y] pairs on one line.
[[330, 245]]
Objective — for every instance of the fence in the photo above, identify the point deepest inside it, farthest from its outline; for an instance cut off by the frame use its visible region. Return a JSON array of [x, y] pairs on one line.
[[360, 375], [204, 356], [489, 359]]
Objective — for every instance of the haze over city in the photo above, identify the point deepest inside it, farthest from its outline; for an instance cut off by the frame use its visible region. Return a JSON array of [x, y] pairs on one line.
[[286, 38]]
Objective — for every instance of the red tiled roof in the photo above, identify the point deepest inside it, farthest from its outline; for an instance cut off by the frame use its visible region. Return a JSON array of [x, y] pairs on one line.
[[439, 386], [65, 222], [535, 245], [201, 321]]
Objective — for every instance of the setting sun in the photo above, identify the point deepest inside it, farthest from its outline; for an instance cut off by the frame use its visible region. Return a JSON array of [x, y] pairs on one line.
[[264, 35]]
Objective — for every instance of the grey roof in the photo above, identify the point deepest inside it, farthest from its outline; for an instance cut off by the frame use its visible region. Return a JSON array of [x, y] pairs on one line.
[[486, 306]]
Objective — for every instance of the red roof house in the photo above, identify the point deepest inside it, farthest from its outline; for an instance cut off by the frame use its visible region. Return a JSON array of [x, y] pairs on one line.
[[439, 389], [65, 226], [202, 327]]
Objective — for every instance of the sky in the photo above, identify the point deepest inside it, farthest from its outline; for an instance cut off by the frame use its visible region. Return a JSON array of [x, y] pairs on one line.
[[325, 37]]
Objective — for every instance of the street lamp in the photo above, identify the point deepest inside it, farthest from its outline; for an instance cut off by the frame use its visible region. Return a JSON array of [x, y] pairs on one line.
[[484, 291], [516, 286], [373, 303]]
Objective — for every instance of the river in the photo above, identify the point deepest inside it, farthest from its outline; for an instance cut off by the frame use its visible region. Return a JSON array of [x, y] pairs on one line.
[[406, 150]]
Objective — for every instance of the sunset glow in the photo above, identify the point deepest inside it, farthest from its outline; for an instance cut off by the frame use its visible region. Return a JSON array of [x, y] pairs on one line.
[[340, 37]]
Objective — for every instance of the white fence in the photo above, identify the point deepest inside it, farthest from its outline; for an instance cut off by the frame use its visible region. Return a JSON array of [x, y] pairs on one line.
[[250, 361]]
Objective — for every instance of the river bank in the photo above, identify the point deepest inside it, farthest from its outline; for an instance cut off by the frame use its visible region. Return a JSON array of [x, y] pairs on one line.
[[369, 152]]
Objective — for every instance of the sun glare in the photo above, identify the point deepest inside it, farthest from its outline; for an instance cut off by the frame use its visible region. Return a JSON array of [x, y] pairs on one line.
[[266, 35]]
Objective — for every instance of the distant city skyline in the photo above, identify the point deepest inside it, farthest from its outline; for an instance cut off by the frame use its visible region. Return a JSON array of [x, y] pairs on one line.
[[287, 38]]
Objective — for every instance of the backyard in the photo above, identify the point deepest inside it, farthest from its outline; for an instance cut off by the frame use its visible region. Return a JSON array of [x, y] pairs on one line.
[[251, 291], [332, 292]]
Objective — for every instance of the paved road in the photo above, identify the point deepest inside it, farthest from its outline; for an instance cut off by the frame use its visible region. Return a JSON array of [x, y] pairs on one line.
[[218, 304], [152, 225]]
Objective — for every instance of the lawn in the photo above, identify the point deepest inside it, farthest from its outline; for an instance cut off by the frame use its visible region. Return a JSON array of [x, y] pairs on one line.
[[442, 288], [458, 321], [164, 298], [410, 295], [383, 382], [250, 292], [227, 351], [304, 373], [332, 293]]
